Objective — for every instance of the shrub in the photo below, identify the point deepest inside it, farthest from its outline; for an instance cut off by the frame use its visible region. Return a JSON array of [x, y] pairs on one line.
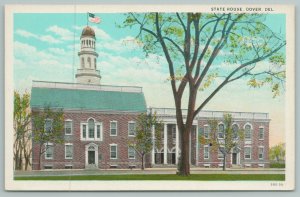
[[277, 165]]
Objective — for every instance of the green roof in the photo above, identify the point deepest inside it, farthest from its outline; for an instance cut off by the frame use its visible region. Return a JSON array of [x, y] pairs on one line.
[[80, 99]]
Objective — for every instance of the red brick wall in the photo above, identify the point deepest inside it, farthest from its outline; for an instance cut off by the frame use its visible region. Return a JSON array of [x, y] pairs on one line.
[[254, 143], [78, 160]]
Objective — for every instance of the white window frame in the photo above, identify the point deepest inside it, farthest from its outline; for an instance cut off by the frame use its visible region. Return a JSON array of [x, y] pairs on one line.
[[130, 147], [68, 120], [49, 144], [249, 154], [221, 123], [251, 132], [100, 138], [69, 144], [113, 121], [174, 134], [263, 134], [206, 146], [206, 131], [263, 152], [238, 127], [131, 122], [115, 145], [87, 138]]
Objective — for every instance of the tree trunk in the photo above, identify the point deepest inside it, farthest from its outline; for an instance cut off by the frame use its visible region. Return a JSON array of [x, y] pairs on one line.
[[142, 167], [184, 168], [224, 162], [39, 163]]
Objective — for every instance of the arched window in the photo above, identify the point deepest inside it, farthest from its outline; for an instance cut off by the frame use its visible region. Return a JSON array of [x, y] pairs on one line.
[[235, 129], [248, 132], [221, 131], [89, 43], [89, 62], [82, 62], [95, 63], [91, 128]]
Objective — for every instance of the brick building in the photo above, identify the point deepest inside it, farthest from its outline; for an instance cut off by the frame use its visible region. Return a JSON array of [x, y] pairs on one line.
[[100, 121]]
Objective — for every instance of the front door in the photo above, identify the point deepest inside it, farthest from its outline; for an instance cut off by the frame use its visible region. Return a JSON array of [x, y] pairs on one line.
[[91, 157], [234, 157]]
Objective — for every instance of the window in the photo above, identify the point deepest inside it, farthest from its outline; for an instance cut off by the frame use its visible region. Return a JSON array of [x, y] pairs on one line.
[[221, 131], [49, 151], [68, 151], [48, 125], [91, 124], [84, 131], [261, 133], [206, 131], [48, 167], [261, 153], [247, 152], [174, 134], [89, 62], [82, 62], [131, 129], [248, 132], [95, 63], [235, 130], [220, 154], [131, 152], [113, 128], [98, 131], [113, 151], [206, 152], [68, 167], [68, 127], [91, 130]]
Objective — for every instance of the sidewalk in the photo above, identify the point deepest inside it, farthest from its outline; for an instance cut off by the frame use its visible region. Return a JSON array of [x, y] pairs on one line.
[[73, 172]]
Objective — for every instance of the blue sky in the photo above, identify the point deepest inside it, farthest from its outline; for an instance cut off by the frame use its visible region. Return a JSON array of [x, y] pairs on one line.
[[46, 46]]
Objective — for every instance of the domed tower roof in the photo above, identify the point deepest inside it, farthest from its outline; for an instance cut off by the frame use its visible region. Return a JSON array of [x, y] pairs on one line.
[[88, 31]]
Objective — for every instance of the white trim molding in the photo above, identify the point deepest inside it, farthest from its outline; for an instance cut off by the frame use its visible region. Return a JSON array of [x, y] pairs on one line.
[[111, 145], [69, 144], [110, 128]]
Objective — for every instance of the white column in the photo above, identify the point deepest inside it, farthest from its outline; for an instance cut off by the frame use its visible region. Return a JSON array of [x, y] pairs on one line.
[[190, 146], [177, 144], [197, 146], [153, 148], [165, 144]]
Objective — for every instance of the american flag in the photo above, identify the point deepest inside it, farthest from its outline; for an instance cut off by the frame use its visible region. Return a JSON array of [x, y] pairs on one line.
[[93, 18]]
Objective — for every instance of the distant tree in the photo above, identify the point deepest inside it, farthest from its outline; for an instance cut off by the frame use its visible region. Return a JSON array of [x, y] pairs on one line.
[[22, 131], [277, 152], [47, 127], [143, 141], [207, 52], [222, 138]]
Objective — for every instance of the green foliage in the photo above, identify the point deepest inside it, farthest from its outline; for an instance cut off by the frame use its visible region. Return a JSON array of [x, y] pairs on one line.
[[22, 132], [143, 140], [277, 165], [230, 140], [55, 134], [277, 152]]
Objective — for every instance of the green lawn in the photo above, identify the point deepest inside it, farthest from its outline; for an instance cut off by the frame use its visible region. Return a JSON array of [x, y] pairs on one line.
[[164, 177]]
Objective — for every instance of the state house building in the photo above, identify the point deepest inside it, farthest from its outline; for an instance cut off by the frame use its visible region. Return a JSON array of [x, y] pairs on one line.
[[101, 119]]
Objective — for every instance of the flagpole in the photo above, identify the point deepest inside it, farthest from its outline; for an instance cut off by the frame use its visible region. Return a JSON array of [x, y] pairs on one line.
[[87, 19]]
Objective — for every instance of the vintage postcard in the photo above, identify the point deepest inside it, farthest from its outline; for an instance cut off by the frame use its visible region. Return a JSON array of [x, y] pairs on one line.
[[149, 97]]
